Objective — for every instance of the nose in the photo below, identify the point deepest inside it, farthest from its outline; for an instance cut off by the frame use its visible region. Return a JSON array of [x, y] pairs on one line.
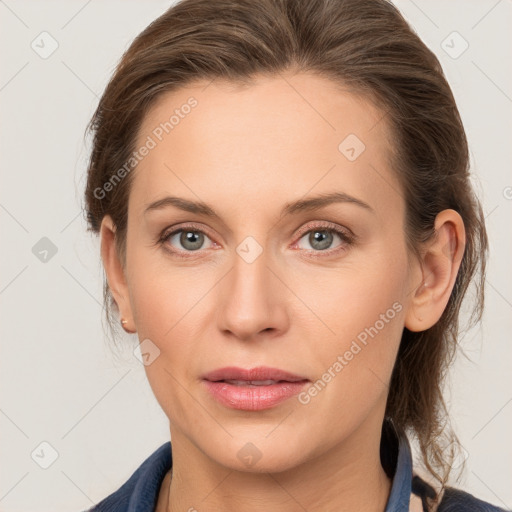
[[253, 299]]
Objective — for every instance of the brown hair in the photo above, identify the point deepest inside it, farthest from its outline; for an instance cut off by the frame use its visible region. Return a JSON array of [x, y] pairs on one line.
[[365, 45]]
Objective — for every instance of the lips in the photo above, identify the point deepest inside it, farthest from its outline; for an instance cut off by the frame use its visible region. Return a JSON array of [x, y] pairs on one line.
[[256, 389], [259, 376]]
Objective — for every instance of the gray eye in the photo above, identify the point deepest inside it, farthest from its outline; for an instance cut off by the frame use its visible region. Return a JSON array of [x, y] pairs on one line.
[[319, 239], [188, 239]]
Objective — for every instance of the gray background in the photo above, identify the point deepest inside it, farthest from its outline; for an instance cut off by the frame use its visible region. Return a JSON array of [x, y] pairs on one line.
[[61, 384]]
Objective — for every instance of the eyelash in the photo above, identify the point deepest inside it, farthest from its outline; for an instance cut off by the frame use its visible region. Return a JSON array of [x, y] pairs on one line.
[[346, 236]]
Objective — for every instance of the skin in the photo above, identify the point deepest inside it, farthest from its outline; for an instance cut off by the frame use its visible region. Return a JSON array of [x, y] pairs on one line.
[[247, 152]]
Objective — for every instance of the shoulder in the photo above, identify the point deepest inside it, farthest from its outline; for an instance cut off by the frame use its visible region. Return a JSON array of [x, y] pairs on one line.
[[140, 491], [457, 500], [452, 499]]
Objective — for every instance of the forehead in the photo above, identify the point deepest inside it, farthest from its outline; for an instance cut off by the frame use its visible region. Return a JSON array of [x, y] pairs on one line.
[[232, 144]]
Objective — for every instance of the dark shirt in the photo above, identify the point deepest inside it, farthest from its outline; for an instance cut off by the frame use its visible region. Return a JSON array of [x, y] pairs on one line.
[[409, 492]]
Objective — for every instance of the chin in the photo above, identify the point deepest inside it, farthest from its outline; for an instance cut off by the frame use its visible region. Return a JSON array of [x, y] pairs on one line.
[[257, 454]]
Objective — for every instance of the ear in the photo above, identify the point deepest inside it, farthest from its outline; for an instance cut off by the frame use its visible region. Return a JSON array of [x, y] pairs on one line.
[[440, 262], [115, 272]]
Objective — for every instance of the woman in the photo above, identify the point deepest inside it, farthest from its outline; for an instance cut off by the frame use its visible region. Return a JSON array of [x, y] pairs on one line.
[[282, 194]]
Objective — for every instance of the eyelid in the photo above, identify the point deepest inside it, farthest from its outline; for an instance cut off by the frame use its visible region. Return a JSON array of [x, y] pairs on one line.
[[325, 224], [182, 227]]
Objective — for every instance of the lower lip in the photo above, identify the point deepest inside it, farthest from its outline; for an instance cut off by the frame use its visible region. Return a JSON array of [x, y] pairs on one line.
[[253, 398]]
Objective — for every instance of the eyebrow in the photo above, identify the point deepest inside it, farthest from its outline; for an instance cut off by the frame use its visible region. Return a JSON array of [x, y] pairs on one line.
[[302, 205]]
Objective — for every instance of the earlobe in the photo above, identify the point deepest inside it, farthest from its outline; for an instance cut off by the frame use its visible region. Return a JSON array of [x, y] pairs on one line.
[[115, 272], [440, 263]]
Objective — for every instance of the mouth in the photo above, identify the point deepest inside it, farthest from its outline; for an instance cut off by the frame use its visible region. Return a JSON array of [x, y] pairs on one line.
[[252, 390]]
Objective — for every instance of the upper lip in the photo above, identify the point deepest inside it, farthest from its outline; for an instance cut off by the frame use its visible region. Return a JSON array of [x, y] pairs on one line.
[[258, 373]]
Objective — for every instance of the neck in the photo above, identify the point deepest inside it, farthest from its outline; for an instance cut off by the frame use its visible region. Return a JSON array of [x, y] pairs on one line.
[[347, 477]]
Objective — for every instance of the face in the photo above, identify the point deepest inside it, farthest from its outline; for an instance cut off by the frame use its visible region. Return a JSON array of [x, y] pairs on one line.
[[269, 279]]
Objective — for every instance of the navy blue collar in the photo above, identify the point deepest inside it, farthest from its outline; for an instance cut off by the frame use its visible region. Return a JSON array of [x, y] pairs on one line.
[[401, 472]]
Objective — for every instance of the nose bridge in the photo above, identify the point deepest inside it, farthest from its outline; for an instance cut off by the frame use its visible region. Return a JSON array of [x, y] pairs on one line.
[[250, 275], [250, 302]]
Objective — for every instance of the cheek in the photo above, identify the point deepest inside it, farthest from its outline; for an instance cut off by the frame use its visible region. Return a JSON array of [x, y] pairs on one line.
[[171, 306], [353, 297], [168, 307], [363, 309], [163, 293]]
